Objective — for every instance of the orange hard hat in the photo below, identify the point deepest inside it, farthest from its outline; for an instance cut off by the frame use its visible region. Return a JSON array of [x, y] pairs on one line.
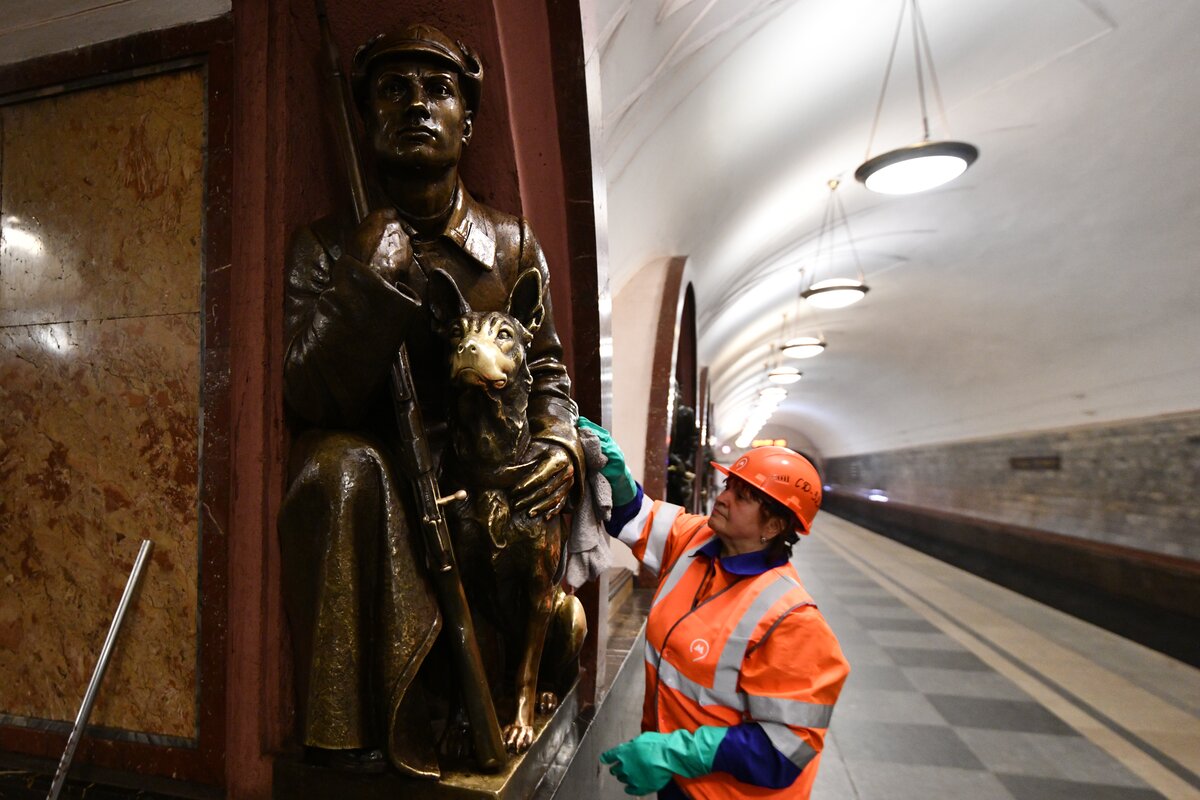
[[783, 475]]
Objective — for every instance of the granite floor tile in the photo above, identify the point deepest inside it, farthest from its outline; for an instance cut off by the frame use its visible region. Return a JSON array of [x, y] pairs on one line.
[[849, 638], [854, 580], [848, 629], [1043, 755], [914, 640], [844, 625], [857, 589], [886, 623], [941, 659], [833, 780], [1004, 715], [964, 683], [883, 705], [1024, 787], [897, 611], [871, 676], [860, 598], [833, 612], [1009, 752], [830, 569], [865, 654], [873, 781], [902, 743]]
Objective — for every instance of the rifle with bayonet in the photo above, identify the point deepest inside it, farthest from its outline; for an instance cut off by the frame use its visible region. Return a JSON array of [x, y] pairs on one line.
[[417, 463]]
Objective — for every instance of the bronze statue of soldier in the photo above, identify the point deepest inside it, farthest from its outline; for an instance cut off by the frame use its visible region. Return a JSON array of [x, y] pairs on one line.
[[362, 613]]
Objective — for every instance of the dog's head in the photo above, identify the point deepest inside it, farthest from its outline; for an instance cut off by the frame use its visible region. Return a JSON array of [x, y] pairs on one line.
[[487, 348]]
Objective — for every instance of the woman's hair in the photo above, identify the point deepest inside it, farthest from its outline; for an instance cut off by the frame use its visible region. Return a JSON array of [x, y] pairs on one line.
[[779, 547]]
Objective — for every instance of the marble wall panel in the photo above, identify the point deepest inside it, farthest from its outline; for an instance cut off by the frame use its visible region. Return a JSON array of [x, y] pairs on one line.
[[101, 194], [101, 202]]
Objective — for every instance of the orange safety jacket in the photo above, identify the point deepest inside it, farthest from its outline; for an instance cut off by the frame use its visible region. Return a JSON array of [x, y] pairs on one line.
[[723, 649]]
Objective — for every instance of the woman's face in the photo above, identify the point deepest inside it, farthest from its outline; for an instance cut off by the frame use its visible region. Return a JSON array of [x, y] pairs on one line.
[[737, 518]]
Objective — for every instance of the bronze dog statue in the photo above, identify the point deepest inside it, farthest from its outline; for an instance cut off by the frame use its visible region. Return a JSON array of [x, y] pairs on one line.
[[511, 562]]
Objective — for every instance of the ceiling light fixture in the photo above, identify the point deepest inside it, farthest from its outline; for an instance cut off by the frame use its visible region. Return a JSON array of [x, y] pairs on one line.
[[760, 413], [780, 374], [783, 375], [927, 164], [835, 292], [804, 347]]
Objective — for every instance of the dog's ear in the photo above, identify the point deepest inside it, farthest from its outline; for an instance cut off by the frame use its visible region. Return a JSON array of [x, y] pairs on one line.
[[525, 301], [446, 303]]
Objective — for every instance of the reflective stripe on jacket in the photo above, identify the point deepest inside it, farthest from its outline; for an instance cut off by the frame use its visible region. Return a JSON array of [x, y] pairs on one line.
[[724, 649]]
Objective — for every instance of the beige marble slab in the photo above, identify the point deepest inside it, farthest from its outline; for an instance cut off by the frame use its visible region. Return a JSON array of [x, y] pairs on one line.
[[101, 192], [98, 449], [101, 271]]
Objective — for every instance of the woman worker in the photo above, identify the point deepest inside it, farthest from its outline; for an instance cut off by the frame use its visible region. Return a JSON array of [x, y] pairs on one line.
[[742, 671]]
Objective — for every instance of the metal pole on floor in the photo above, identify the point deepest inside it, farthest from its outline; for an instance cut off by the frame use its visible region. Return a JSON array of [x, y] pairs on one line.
[[85, 710]]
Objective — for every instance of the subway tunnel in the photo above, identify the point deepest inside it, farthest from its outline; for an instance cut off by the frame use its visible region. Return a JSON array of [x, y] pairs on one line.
[[1006, 423]]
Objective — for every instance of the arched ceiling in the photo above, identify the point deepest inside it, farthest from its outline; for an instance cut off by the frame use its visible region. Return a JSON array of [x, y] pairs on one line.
[[1053, 284]]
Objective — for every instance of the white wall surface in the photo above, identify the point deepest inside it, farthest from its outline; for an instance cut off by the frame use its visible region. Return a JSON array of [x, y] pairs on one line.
[[635, 315]]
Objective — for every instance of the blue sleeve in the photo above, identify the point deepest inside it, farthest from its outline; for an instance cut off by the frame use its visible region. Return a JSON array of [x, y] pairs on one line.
[[748, 755], [621, 515]]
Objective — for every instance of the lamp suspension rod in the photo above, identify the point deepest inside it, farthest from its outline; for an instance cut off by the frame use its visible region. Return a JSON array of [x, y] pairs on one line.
[[862, 277], [799, 292], [812, 311], [887, 74], [920, 73], [796, 305], [782, 339], [919, 19], [826, 227]]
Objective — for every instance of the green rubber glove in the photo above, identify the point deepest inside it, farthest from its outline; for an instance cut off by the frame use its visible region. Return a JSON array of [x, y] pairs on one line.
[[624, 488], [648, 762]]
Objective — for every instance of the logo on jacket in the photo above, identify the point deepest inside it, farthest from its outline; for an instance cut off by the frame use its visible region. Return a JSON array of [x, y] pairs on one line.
[[698, 649]]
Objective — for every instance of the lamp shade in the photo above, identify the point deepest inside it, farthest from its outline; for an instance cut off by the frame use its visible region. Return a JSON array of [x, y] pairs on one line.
[[835, 292], [916, 168], [803, 347], [783, 375]]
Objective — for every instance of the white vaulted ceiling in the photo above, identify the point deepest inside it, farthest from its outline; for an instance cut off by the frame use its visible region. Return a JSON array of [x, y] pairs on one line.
[[1055, 283]]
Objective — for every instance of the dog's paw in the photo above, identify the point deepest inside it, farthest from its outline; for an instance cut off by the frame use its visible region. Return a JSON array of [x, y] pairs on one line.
[[517, 737], [547, 703]]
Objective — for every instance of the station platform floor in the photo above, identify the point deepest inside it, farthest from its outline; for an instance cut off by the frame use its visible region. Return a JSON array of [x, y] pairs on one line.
[[960, 688]]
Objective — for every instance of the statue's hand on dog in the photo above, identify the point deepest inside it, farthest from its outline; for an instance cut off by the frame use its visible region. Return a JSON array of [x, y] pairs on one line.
[[549, 475]]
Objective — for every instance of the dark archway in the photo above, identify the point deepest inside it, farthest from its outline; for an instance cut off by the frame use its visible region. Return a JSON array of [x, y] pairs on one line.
[[673, 385]]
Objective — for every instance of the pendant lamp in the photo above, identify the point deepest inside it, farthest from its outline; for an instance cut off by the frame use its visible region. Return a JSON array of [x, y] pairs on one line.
[[926, 164], [835, 292]]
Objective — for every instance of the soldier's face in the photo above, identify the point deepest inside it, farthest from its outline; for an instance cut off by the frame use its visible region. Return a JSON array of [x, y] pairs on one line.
[[418, 117]]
